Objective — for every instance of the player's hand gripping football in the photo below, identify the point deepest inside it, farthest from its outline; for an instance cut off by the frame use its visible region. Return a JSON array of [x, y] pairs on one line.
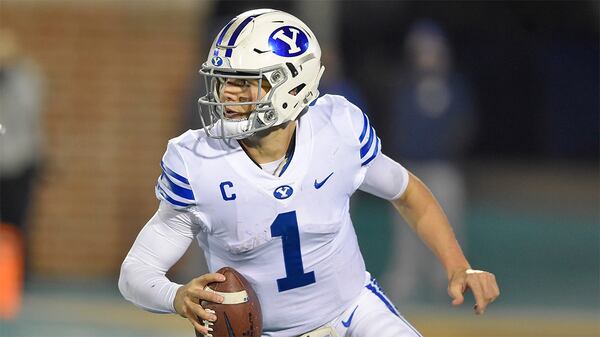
[[482, 284], [189, 296]]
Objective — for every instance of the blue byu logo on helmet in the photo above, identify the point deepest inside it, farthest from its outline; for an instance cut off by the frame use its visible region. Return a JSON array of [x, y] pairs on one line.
[[217, 61], [283, 192], [288, 41]]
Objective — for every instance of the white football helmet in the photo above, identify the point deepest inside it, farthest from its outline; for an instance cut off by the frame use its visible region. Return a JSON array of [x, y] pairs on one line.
[[267, 45]]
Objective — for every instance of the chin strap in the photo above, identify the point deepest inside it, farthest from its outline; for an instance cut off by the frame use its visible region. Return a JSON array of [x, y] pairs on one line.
[[314, 93], [234, 129]]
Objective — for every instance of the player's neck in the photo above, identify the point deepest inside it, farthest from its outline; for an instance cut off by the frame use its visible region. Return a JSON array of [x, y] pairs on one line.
[[270, 146]]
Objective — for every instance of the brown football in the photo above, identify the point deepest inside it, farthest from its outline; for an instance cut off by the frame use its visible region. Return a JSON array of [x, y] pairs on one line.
[[239, 315]]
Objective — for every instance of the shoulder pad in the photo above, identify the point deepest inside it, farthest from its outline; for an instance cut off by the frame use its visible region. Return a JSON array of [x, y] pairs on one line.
[[352, 122]]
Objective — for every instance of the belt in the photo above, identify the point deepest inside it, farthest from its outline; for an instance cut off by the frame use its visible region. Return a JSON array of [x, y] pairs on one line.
[[325, 331]]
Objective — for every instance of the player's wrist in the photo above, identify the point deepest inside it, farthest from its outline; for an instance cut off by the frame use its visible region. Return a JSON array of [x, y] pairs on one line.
[[178, 301], [453, 271]]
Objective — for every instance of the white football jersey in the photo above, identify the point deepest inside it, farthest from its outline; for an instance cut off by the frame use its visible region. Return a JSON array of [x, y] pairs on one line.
[[290, 235]]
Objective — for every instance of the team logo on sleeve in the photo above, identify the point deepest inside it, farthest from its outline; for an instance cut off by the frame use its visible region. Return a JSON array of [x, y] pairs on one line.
[[288, 41], [283, 192]]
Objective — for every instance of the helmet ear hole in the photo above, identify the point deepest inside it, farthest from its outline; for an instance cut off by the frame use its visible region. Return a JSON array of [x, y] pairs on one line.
[[284, 105]]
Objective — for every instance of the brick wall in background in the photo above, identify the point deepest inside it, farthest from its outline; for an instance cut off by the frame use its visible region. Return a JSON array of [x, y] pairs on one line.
[[117, 76]]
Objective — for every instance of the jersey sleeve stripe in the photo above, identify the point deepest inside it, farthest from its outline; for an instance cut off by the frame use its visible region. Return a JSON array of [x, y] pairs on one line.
[[172, 194], [375, 153], [179, 190], [367, 146], [173, 173], [365, 127], [164, 195]]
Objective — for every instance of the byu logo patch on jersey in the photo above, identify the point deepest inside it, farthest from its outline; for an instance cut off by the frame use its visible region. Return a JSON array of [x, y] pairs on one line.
[[288, 41], [283, 192]]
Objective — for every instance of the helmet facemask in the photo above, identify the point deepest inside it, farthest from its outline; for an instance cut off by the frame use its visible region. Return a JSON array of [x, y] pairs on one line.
[[262, 114]]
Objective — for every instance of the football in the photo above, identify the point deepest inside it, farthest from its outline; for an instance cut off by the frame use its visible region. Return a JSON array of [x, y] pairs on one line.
[[239, 315]]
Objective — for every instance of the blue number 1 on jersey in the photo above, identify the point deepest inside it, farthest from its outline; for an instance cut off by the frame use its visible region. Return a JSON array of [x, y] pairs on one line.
[[286, 226]]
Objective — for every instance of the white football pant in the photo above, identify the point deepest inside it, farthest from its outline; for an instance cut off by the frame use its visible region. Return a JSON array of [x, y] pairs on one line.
[[372, 315]]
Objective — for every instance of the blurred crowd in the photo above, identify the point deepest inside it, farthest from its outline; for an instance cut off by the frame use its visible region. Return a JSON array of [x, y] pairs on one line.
[[21, 143]]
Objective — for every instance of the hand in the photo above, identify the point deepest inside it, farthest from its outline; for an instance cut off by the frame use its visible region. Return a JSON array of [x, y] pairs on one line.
[[189, 296], [482, 284]]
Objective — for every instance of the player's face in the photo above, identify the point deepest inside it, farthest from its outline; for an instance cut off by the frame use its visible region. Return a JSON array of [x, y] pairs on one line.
[[235, 90]]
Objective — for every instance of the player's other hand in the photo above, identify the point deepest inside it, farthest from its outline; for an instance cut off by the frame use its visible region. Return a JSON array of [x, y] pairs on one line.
[[482, 284], [189, 296]]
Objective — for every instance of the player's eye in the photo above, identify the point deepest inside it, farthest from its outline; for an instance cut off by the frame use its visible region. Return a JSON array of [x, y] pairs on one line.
[[238, 82]]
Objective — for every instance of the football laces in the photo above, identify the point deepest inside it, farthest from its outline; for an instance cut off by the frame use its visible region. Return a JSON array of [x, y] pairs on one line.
[[208, 324]]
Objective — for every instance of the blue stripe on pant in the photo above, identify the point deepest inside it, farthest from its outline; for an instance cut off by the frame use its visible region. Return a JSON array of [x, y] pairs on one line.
[[374, 287]]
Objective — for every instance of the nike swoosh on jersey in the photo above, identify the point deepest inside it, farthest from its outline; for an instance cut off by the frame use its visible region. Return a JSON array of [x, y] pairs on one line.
[[319, 184], [349, 320], [229, 328]]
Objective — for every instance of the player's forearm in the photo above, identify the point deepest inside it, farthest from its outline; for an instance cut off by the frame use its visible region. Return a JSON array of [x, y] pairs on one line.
[[146, 288], [159, 245], [423, 213]]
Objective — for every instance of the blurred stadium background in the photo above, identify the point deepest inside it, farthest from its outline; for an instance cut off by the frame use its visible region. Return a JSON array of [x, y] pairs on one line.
[[120, 80]]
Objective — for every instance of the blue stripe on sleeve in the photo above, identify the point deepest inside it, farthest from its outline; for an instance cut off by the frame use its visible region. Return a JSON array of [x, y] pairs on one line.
[[374, 153], [365, 127], [178, 190], [169, 199], [174, 174], [365, 148], [236, 33]]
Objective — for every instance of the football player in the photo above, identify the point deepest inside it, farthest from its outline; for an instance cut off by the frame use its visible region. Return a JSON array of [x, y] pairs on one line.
[[265, 186]]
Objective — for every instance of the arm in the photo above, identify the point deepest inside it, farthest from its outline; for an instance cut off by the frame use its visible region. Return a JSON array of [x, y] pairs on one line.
[[420, 209], [417, 205], [160, 244]]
